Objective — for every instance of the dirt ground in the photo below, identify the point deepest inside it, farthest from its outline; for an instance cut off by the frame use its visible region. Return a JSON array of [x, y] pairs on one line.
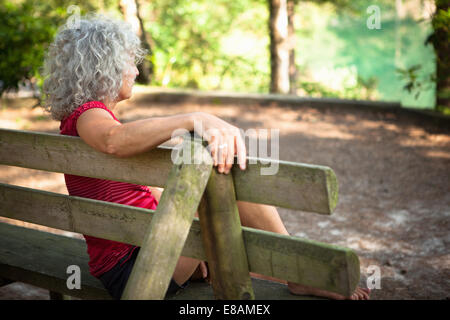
[[393, 170]]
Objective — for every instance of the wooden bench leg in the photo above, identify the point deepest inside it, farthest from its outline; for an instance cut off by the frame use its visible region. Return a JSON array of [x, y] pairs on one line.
[[223, 241], [168, 230]]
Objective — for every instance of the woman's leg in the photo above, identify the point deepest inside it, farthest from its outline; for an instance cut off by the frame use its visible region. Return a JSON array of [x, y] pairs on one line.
[[185, 269], [265, 217], [260, 216]]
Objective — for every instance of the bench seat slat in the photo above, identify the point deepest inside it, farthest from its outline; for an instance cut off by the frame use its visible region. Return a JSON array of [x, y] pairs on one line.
[[299, 260], [296, 186], [41, 259]]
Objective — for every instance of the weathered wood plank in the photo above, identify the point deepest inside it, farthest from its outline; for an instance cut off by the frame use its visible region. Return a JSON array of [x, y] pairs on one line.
[[223, 242], [290, 258], [303, 261], [23, 240], [41, 259], [66, 154], [264, 290], [166, 235], [295, 186]]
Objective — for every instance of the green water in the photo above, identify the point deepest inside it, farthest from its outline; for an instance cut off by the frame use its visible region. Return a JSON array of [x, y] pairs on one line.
[[343, 43]]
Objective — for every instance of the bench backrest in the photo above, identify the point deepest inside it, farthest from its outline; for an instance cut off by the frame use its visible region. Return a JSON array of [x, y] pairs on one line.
[[295, 186]]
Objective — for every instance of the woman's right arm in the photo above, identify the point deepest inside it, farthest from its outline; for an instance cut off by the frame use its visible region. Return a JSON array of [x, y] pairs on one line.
[[98, 129]]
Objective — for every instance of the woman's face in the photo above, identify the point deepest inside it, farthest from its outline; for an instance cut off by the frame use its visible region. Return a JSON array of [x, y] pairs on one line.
[[129, 76]]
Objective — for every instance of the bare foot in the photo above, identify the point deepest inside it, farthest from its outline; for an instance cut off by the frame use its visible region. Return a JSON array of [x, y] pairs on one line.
[[297, 289]]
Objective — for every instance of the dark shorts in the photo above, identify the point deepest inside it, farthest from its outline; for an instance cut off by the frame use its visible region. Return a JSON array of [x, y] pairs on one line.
[[116, 278]]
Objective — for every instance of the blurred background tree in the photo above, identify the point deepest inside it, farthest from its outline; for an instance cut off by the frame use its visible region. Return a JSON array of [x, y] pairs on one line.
[[25, 32], [131, 12], [27, 28], [440, 39], [282, 56], [232, 45], [209, 45]]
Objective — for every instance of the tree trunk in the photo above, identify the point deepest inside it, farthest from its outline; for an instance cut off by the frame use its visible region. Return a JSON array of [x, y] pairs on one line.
[[130, 11], [279, 46], [291, 39], [441, 44]]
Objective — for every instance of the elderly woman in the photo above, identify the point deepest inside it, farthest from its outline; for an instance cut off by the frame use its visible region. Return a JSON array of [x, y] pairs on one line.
[[89, 69]]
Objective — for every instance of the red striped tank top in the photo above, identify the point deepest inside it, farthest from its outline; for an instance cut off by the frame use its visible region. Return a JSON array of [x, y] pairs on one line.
[[104, 254]]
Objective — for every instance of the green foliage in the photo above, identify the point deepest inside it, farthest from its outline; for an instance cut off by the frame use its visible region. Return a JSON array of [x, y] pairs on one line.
[[441, 21], [416, 83], [224, 45], [27, 28], [332, 38], [199, 44], [440, 39], [24, 36]]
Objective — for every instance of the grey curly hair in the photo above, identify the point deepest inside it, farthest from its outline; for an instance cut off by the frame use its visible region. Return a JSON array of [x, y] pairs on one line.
[[86, 63]]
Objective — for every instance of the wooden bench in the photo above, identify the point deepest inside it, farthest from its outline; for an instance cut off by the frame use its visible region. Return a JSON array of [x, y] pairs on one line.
[[41, 258]]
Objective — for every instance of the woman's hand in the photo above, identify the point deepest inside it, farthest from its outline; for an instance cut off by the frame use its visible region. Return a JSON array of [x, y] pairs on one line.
[[224, 141]]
